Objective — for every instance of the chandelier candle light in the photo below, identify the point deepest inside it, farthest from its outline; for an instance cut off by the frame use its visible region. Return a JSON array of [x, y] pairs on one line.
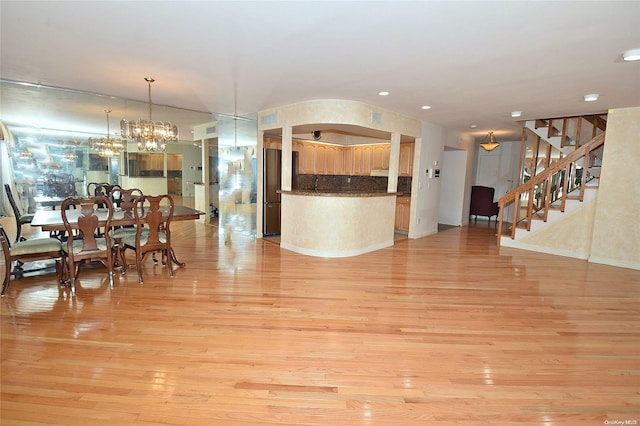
[[150, 135], [108, 146]]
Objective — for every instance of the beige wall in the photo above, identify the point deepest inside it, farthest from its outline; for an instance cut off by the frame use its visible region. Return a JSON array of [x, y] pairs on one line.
[[565, 234], [616, 235], [336, 226]]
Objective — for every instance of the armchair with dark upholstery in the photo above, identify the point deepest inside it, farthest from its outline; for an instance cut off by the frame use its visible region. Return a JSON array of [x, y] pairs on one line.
[[482, 203]]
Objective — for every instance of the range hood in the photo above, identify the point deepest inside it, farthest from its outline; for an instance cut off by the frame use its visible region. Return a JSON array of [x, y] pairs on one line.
[[379, 172]]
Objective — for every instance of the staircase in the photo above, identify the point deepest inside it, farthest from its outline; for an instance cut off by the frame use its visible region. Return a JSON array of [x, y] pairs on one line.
[[550, 203]]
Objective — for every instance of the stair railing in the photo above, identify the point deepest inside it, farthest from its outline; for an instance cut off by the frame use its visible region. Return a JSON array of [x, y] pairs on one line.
[[570, 129], [547, 180]]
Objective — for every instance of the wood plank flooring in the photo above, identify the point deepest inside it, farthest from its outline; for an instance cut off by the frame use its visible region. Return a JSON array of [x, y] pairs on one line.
[[440, 330]]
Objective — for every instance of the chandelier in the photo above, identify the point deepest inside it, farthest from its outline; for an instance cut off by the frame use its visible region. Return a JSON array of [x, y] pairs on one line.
[[489, 143], [106, 147], [69, 157], [150, 135]]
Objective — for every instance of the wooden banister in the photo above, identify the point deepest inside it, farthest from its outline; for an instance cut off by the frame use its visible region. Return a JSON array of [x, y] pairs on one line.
[[545, 176]]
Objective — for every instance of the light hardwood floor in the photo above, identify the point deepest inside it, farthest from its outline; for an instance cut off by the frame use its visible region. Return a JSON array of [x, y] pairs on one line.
[[440, 330]]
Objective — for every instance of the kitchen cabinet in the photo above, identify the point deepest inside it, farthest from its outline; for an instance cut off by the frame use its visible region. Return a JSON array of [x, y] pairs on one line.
[[403, 204], [174, 186], [296, 145], [307, 161], [380, 157], [174, 162], [406, 159], [334, 160], [272, 143], [347, 161], [357, 160], [150, 162], [362, 160], [321, 160]]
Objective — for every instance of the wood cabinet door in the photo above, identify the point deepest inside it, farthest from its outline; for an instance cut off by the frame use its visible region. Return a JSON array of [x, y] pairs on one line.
[[308, 159], [403, 213], [334, 160], [406, 159], [380, 157], [399, 211], [347, 161], [174, 162], [321, 160], [272, 143], [362, 160]]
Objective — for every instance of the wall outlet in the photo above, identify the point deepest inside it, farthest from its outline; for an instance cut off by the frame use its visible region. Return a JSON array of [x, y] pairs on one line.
[[418, 221]]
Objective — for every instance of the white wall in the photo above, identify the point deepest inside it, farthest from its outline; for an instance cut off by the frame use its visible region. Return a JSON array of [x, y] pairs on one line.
[[453, 185], [191, 160], [498, 169], [456, 141], [425, 191]]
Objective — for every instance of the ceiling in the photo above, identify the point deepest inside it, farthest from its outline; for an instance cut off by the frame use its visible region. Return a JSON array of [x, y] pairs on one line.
[[472, 62]]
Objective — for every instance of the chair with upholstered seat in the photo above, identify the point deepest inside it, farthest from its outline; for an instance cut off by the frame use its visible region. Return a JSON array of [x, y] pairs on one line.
[[153, 217], [127, 198], [482, 203], [29, 251], [91, 243], [21, 218]]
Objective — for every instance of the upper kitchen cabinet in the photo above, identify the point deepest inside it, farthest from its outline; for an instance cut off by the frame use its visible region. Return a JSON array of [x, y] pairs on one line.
[[362, 160], [347, 161], [273, 143], [406, 159], [334, 160], [321, 160], [380, 157], [174, 162], [307, 161], [353, 160]]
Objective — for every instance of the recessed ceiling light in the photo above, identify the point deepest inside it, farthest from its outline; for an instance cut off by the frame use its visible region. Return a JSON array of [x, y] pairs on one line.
[[631, 55], [591, 97], [515, 114], [383, 93], [426, 107], [474, 126]]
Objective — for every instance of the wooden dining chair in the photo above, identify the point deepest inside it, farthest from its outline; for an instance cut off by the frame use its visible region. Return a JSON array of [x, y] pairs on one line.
[[91, 243], [124, 198], [29, 251], [95, 188], [21, 218], [127, 199], [153, 215], [102, 189]]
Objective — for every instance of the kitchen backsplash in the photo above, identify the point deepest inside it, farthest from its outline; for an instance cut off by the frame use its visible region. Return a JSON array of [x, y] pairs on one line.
[[351, 183]]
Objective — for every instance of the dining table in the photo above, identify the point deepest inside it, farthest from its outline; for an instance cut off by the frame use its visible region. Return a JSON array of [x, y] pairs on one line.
[[51, 220], [48, 201]]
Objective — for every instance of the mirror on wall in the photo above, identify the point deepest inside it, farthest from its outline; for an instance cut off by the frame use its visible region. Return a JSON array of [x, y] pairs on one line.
[[46, 133]]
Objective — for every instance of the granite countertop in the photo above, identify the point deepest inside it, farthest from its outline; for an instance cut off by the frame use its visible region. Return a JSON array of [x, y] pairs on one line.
[[340, 193]]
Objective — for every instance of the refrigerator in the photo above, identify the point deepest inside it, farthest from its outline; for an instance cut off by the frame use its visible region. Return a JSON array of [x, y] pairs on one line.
[[272, 175]]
